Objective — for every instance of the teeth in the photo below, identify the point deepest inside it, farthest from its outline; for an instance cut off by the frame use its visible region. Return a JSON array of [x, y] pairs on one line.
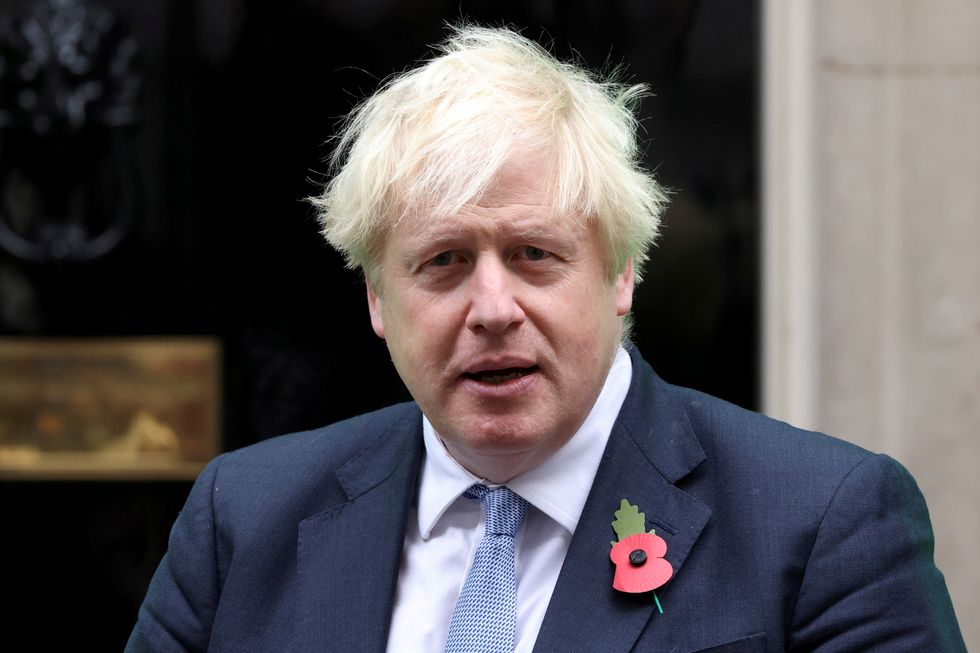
[[501, 377]]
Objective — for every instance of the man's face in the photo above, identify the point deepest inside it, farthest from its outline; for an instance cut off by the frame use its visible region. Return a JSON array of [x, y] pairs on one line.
[[501, 320]]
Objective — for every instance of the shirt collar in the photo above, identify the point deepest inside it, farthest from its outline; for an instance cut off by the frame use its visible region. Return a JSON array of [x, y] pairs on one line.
[[558, 487]]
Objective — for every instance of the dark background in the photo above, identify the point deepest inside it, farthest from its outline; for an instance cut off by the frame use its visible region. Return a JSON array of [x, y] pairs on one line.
[[205, 180]]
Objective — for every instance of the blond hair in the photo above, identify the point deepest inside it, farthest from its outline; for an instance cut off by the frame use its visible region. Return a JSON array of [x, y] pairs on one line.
[[434, 137]]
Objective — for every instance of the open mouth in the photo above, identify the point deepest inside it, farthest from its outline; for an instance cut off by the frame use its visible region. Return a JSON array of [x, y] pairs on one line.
[[500, 376]]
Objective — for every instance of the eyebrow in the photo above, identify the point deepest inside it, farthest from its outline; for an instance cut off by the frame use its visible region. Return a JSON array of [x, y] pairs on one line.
[[529, 227]]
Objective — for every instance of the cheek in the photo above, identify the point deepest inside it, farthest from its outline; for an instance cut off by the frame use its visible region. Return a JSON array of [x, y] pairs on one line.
[[417, 334], [593, 325]]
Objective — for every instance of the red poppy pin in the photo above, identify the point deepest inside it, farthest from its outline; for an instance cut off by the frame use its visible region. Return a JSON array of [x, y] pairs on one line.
[[638, 556]]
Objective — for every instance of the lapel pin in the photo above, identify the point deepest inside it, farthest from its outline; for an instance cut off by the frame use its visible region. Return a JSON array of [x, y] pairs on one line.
[[638, 555]]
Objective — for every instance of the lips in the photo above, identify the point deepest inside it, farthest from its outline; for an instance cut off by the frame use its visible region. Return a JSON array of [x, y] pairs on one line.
[[494, 383], [496, 376]]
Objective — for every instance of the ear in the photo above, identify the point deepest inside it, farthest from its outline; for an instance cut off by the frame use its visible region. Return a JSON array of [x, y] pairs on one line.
[[624, 289], [374, 308]]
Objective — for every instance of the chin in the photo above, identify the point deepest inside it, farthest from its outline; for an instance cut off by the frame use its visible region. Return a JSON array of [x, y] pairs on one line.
[[502, 429], [489, 441], [511, 444]]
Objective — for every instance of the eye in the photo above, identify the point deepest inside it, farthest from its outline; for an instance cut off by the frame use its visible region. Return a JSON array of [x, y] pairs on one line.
[[442, 259], [535, 253]]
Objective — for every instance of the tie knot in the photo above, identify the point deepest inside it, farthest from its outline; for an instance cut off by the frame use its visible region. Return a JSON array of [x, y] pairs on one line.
[[504, 510]]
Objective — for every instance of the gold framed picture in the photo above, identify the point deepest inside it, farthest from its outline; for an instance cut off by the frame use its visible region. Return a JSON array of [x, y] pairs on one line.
[[108, 408]]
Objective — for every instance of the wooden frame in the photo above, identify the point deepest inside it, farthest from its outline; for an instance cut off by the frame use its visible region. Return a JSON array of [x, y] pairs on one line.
[[133, 408]]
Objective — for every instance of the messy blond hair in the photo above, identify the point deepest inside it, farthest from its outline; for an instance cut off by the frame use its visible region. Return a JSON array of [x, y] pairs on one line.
[[434, 137]]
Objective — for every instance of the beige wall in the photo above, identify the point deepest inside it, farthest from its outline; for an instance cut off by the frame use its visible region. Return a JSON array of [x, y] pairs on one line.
[[872, 281]]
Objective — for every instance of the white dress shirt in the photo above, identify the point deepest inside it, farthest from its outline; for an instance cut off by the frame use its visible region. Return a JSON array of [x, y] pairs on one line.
[[445, 529]]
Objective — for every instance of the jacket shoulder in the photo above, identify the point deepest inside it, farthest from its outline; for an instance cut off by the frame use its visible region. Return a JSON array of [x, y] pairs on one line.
[[291, 476], [737, 432], [327, 446], [708, 433]]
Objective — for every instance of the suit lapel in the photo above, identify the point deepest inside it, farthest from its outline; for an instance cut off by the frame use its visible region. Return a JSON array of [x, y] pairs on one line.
[[650, 448], [349, 554]]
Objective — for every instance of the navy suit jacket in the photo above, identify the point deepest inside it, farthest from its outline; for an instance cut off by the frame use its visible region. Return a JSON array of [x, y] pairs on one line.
[[780, 540]]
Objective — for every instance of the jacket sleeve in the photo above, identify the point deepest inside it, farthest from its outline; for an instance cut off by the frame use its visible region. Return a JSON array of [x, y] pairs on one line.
[[179, 607], [870, 583]]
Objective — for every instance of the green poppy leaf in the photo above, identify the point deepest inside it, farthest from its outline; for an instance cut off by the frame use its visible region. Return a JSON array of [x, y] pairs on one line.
[[629, 520]]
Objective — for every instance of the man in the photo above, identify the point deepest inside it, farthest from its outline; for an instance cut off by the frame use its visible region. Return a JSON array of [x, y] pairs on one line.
[[494, 200]]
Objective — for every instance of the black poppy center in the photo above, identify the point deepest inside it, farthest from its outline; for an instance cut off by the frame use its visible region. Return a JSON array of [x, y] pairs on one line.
[[638, 557]]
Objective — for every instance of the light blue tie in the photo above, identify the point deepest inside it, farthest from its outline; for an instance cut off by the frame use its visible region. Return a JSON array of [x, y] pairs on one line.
[[485, 617]]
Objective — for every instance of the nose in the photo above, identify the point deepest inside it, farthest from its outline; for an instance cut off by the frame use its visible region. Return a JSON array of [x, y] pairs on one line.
[[494, 305]]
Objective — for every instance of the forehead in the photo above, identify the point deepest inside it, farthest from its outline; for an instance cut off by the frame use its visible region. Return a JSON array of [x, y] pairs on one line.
[[473, 223]]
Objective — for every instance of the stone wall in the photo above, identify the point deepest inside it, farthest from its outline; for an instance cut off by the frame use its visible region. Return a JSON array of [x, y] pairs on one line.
[[872, 241]]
